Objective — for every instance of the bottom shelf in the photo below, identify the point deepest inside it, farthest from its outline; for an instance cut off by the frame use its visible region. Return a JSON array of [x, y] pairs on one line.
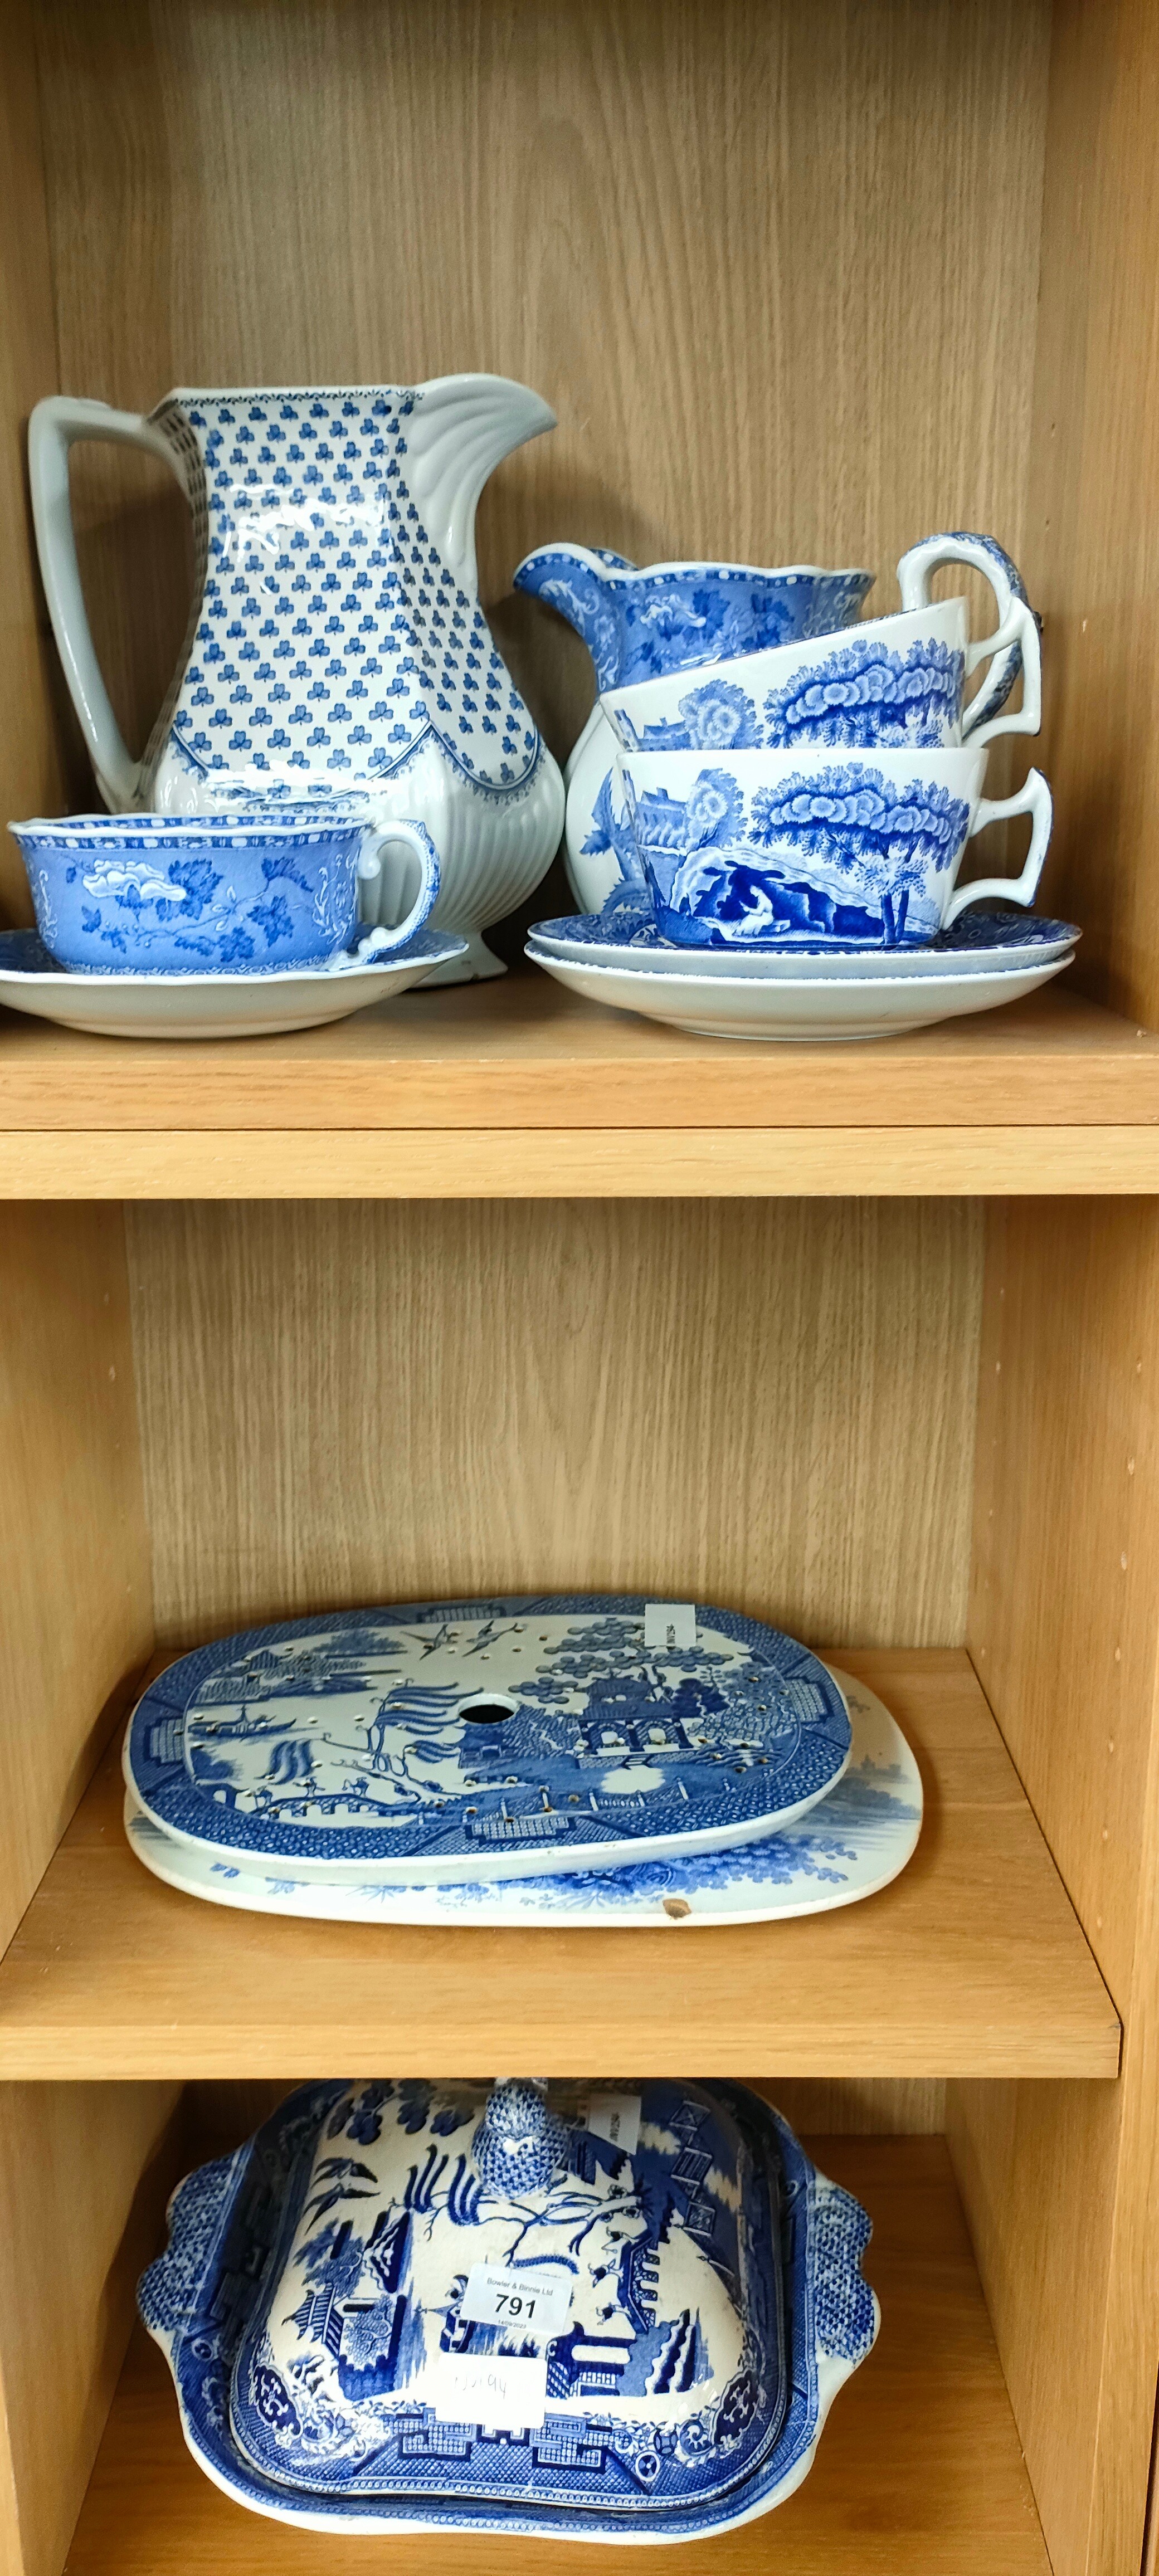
[[919, 2472]]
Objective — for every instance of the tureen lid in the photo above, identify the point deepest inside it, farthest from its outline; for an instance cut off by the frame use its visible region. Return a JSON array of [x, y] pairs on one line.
[[473, 2293]]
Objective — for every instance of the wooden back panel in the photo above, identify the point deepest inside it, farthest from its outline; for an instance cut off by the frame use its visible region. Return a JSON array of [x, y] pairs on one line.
[[775, 269], [766, 1404]]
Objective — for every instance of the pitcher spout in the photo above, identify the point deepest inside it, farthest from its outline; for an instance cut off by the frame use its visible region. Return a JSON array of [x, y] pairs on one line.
[[581, 583], [460, 430]]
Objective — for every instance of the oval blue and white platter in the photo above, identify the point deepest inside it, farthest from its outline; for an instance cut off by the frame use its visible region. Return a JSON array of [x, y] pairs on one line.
[[451, 1740], [207, 2302], [851, 1844]]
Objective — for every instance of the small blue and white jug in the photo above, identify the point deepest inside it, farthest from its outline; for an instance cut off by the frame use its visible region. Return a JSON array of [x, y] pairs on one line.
[[335, 640]]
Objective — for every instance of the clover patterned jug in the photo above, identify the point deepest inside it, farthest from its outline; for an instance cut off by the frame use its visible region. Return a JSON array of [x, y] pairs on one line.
[[335, 640]]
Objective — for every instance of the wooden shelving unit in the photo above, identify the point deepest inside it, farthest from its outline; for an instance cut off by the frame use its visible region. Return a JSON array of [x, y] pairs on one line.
[[517, 1089], [503, 1292], [920, 2468], [971, 1964]]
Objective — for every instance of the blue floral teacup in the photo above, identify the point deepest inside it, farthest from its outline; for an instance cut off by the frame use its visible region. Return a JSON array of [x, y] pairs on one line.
[[241, 893], [783, 849], [892, 682]]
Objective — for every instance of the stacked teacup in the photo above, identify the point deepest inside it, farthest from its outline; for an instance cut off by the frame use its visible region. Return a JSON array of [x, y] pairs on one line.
[[807, 808]]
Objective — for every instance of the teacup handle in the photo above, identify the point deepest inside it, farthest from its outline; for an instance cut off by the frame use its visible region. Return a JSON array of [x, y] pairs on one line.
[[55, 425], [1014, 643], [381, 941], [1033, 799]]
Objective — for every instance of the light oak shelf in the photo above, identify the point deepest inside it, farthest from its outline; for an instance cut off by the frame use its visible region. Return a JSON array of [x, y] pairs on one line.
[[971, 1964], [919, 2469], [516, 1089]]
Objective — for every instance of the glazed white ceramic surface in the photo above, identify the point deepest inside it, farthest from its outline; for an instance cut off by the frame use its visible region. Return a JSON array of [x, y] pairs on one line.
[[980, 944], [851, 1844], [811, 849], [336, 638], [753, 1006], [207, 1006]]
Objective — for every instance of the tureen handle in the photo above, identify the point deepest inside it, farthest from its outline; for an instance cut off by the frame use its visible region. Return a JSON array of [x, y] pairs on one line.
[[54, 427]]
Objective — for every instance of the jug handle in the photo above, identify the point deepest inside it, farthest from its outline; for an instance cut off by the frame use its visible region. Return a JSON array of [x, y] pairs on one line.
[[54, 427]]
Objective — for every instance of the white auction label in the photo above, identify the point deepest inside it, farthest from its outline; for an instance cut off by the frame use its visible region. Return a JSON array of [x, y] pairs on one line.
[[535, 2295], [670, 1623], [508, 2391], [616, 2117]]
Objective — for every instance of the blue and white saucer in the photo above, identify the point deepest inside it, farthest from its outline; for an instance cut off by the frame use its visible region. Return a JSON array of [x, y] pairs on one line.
[[853, 1842], [210, 1006], [982, 942], [291, 2310], [470, 1740]]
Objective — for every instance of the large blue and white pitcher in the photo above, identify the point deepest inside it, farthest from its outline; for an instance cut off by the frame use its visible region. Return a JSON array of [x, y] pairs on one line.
[[335, 640]]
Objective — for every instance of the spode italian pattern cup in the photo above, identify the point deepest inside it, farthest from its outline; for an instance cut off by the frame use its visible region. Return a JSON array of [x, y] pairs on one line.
[[890, 682], [775, 848]]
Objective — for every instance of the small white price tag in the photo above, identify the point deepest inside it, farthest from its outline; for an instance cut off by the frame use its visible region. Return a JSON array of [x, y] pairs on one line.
[[670, 1623], [616, 2117], [507, 2392], [533, 2295]]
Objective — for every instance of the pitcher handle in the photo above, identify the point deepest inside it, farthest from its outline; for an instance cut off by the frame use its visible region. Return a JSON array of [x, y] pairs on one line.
[[381, 941], [1033, 799], [1014, 643], [54, 427]]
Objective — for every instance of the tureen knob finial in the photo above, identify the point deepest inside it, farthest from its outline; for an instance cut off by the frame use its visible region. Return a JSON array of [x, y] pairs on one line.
[[519, 2145]]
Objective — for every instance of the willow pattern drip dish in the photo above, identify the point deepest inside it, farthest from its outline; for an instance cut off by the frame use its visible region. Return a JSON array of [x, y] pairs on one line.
[[708, 2304], [853, 1842], [152, 894], [810, 848], [599, 845], [336, 638], [453, 1740]]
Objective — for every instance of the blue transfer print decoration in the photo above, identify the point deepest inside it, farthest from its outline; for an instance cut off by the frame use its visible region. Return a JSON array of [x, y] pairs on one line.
[[484, 1735], [866, 695], [329, 637], [843, 854], [296, 2300], [166, 895], [674, 617]]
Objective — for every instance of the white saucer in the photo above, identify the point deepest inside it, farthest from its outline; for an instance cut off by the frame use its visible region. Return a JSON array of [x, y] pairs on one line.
[[208, 1006], [853, 1843], [749, 1006]]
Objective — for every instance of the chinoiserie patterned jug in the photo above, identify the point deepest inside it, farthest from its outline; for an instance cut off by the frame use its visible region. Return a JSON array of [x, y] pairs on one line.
[[335, 641]]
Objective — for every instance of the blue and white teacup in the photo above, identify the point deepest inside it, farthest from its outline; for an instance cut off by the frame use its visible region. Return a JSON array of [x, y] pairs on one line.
[[889, 683], [239, 893], [782, 848]]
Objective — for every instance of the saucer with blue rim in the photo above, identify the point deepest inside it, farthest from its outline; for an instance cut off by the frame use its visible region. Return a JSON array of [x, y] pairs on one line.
[[982, 942], [211, 1006]]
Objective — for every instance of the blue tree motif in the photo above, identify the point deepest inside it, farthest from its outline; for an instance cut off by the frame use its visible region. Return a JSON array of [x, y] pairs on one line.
[[885, 838], [864, 694]]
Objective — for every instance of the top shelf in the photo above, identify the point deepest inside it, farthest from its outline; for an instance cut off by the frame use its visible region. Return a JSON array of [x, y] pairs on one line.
[[515, 1089]]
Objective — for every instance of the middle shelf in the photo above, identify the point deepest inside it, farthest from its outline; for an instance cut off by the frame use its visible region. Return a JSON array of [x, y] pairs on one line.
[[972, 1963]]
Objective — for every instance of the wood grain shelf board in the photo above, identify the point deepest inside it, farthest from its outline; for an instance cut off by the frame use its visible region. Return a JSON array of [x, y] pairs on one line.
[[523, 1054], [645, 1163], [971, 1964], [919, 2471]]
